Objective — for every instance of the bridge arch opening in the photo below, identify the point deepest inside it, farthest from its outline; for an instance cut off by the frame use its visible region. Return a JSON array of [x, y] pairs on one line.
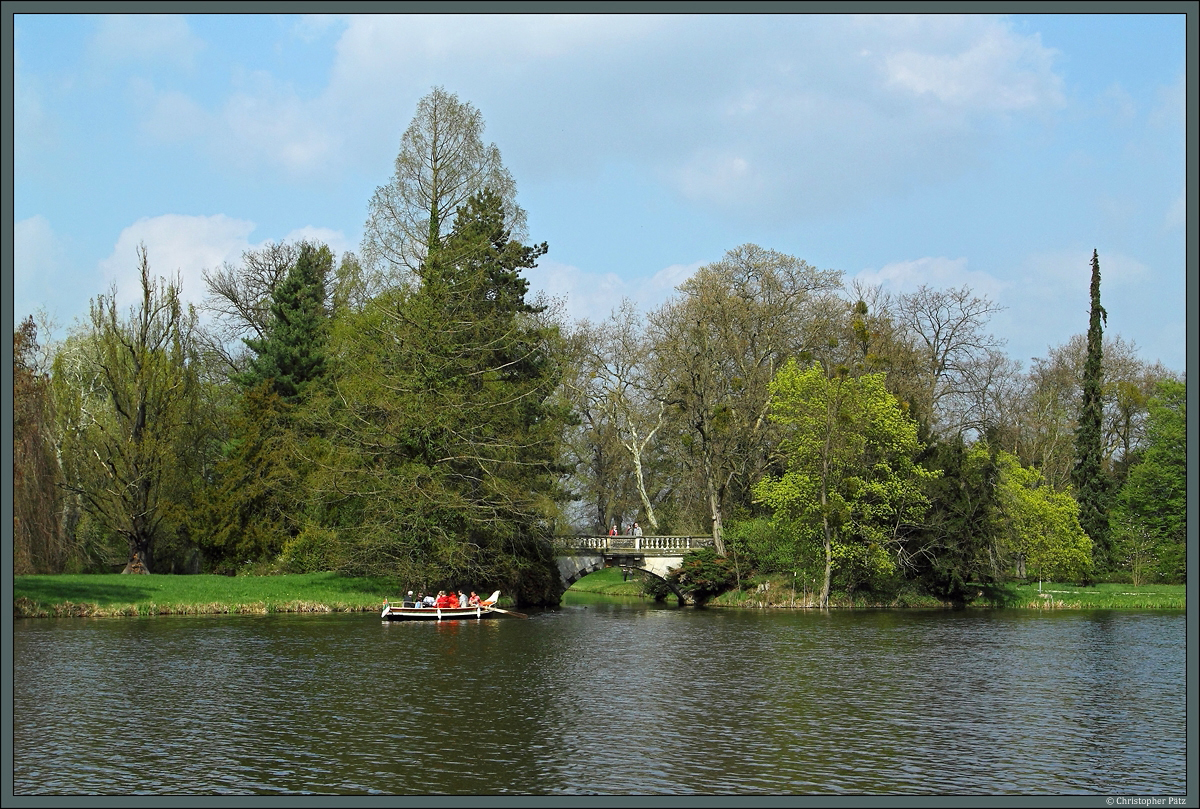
[[578, 556], [667, 582]]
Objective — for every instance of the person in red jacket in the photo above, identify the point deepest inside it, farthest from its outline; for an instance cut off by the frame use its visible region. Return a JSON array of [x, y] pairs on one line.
[[443, 601]]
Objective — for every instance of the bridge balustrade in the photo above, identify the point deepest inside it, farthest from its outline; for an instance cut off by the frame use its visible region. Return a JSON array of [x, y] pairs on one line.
[[625, 542]]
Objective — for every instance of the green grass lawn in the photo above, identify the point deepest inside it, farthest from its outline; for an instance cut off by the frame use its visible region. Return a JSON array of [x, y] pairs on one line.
[[103, 594], [1049, 595], [609, 582], [158, 594]]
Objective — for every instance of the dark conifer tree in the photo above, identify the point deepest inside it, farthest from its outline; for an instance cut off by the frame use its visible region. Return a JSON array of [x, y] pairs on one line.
[[1091, 486], [292, 354]]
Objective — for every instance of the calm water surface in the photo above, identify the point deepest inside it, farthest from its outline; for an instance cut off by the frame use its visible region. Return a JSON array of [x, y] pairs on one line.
[[604, 698]]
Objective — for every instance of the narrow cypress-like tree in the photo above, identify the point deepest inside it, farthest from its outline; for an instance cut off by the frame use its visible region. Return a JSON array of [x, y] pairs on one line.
[[1091, 487]]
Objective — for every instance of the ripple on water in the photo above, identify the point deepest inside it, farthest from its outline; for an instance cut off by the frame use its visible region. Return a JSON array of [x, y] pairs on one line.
[[611, 699]]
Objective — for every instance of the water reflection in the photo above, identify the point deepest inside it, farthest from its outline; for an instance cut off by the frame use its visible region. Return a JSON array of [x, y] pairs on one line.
[[604, 698]]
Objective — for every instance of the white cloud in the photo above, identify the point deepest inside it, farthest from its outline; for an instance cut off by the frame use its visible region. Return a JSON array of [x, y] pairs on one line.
[[189, 245], [1068, 270], [761, 117], [335, 239], [985, 66], [144, 38], [1170, 107], [1048, 301], [718, 177], [376, 42], [937, 272], [593, 296], [262, 124], [269, 122], [175, 243]]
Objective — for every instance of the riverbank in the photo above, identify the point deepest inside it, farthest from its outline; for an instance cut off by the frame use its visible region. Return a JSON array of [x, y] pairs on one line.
[[100, 595], [777, 593], [110, 595]]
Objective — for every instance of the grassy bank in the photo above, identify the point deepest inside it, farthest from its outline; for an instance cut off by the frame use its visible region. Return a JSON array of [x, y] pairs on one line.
[[609, 582], [776, 592], [99, 595], [1102, 596]]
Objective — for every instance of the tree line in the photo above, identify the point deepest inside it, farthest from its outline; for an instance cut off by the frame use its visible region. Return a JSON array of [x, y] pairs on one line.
[[417, 413]]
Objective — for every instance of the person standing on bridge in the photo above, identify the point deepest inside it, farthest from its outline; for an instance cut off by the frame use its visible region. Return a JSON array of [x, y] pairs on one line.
[[637, 530], [613, 531]]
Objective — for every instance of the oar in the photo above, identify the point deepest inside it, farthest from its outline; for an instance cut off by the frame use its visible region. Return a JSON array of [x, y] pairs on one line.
[[509, 612]]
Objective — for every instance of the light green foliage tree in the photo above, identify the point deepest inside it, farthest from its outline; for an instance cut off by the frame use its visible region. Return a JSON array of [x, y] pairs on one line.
[[1039, 526], [442, 163], [1151, 515], [716, 348], [851, 485], [129, 390]]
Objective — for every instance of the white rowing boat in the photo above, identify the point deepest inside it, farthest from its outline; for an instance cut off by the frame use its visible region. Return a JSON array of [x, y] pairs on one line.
[[409, 612]]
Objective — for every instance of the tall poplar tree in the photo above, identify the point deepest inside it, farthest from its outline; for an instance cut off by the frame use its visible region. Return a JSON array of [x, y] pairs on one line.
[[1091, 487]]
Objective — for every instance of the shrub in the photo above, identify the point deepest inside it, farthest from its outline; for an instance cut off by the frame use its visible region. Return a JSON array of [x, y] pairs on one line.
[[703, 575], [314, 550]]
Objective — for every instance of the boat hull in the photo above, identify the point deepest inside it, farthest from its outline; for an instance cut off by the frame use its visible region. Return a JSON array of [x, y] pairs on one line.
[[436, 614]]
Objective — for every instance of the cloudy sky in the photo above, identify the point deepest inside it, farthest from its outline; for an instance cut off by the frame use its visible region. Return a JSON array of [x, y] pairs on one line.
[[991, 151]]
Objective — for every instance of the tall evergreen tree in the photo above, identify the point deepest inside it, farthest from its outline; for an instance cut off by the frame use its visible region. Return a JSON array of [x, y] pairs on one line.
[[446, 426], [291, 355], [1091, 486]]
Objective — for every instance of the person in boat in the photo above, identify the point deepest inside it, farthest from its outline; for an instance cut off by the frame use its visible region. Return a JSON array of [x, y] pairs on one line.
[[462, 599], [410, 601], [473, 601]]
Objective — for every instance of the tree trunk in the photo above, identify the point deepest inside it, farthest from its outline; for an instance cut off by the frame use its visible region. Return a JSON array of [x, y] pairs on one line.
[[828, 556], [135, 564], [714, 504]]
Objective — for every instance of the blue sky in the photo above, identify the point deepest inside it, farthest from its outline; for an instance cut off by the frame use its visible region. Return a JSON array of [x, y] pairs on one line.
[[992, 151]]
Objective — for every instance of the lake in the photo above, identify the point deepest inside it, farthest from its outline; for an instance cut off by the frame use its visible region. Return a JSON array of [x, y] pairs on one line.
[[605, 697]]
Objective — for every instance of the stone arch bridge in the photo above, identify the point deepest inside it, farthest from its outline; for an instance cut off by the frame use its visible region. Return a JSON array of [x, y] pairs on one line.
[[578, 556]]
